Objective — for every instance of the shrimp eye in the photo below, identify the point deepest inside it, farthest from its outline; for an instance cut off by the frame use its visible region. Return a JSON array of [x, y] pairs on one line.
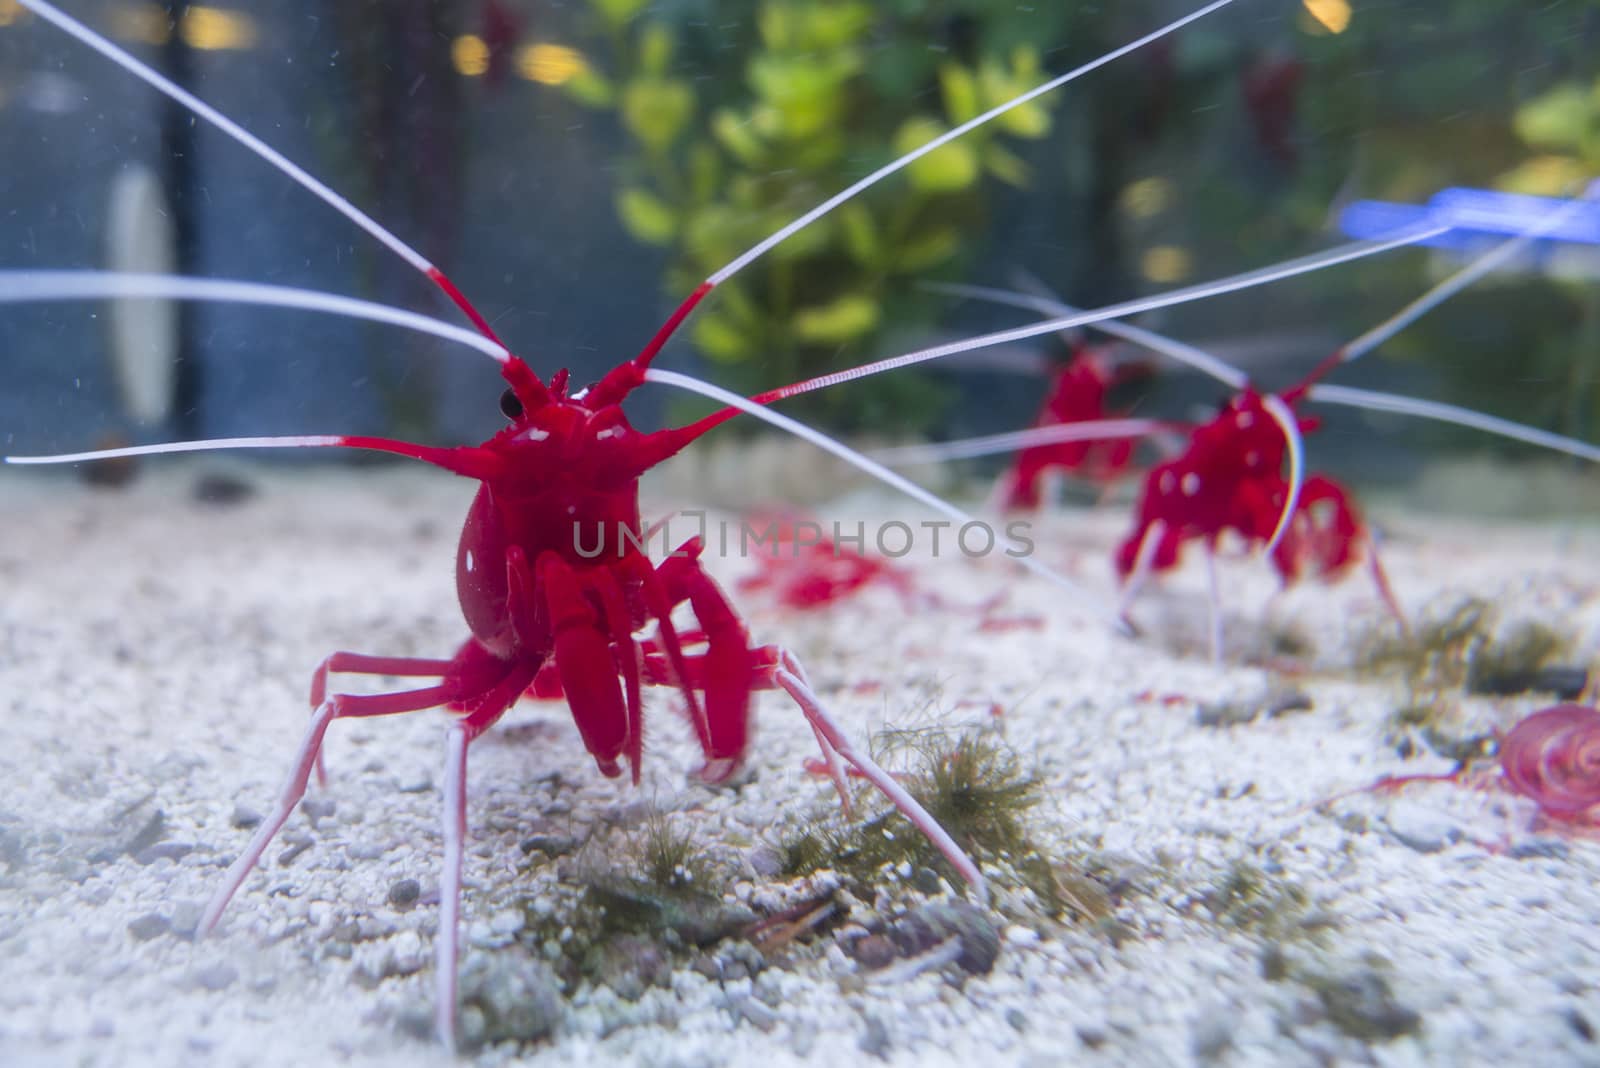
[[511, 405]]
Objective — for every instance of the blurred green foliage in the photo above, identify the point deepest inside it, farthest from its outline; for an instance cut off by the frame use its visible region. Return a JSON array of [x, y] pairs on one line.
[[804, 97]]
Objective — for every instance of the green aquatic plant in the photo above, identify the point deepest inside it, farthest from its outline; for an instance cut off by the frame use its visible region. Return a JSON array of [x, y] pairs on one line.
[[805, 96]]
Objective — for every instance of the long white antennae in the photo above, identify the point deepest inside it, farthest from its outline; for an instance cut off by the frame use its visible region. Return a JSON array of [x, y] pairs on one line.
[[1347, 396], [1284, 416], [1020, 551], [22, 286], [1200, 360], [163, 84], [1012, 441], [1371, 400], [1463, 278], [214, 445], [1304, 265], [943, 139]]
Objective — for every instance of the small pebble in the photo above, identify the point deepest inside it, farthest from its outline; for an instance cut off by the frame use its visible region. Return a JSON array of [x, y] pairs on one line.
[[551, 845], [216, 976], [186, 918], [318, 809], [217, 488], [296, 846], [921, 929], [505, 922], [163, 851], [244, 816], [1421, 828], [766, 862], [150, 925], [756, 1014], [1533, 848], [1213, 1034], [874, 1040], [1362, 1005], [404, 894], [874, 951]]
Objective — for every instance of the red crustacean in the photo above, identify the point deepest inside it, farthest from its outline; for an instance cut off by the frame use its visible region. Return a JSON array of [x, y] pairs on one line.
[[805, 569], [1079, 392], [545, 616], [1230, 477], [1230, 480]]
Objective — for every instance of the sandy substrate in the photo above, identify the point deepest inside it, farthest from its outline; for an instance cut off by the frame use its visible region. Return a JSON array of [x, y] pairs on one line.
[[154, 653]]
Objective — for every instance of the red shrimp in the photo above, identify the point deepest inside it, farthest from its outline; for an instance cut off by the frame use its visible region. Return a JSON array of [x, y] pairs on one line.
[[805, 569], [1078, 392]]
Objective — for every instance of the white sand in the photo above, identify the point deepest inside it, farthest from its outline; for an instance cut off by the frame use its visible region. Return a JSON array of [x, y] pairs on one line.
[[154, 655]]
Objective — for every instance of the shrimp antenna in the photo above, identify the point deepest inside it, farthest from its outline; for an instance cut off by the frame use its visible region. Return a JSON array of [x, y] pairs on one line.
[[50, 13], [1055, 434], [1193, 357], [1262, 276], [22, 286], [1198, 359], [469, 462], [1374, 401], [1018, 550], [1343, 396], [1284, 416]]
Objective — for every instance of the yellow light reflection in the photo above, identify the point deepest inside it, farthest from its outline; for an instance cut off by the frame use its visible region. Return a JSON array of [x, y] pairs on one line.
[[550, 64], [1331, 15], [144, 23], [215, 29], [470, 55], [1147, 197], [1166, 263], [1545, 176], [10, 11], [205, 29]]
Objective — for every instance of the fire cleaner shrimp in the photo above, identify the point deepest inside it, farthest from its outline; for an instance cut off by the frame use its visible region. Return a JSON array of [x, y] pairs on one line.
[[1080, 391], [1229, 477], [564, 471]]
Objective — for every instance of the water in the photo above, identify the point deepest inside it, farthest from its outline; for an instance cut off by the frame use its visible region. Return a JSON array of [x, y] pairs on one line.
[[156, 640]]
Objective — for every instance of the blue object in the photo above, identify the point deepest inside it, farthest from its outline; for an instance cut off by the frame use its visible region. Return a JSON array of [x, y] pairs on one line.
[[1472, 214]]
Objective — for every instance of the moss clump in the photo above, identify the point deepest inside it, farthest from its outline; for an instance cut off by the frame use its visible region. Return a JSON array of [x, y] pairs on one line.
[[1463, 649], [977, 789], [1361, 1004], [670, 859], [981, 792], [1436, 654], [1247, 899], [658, 881], [973, 785], [1512, 662]]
